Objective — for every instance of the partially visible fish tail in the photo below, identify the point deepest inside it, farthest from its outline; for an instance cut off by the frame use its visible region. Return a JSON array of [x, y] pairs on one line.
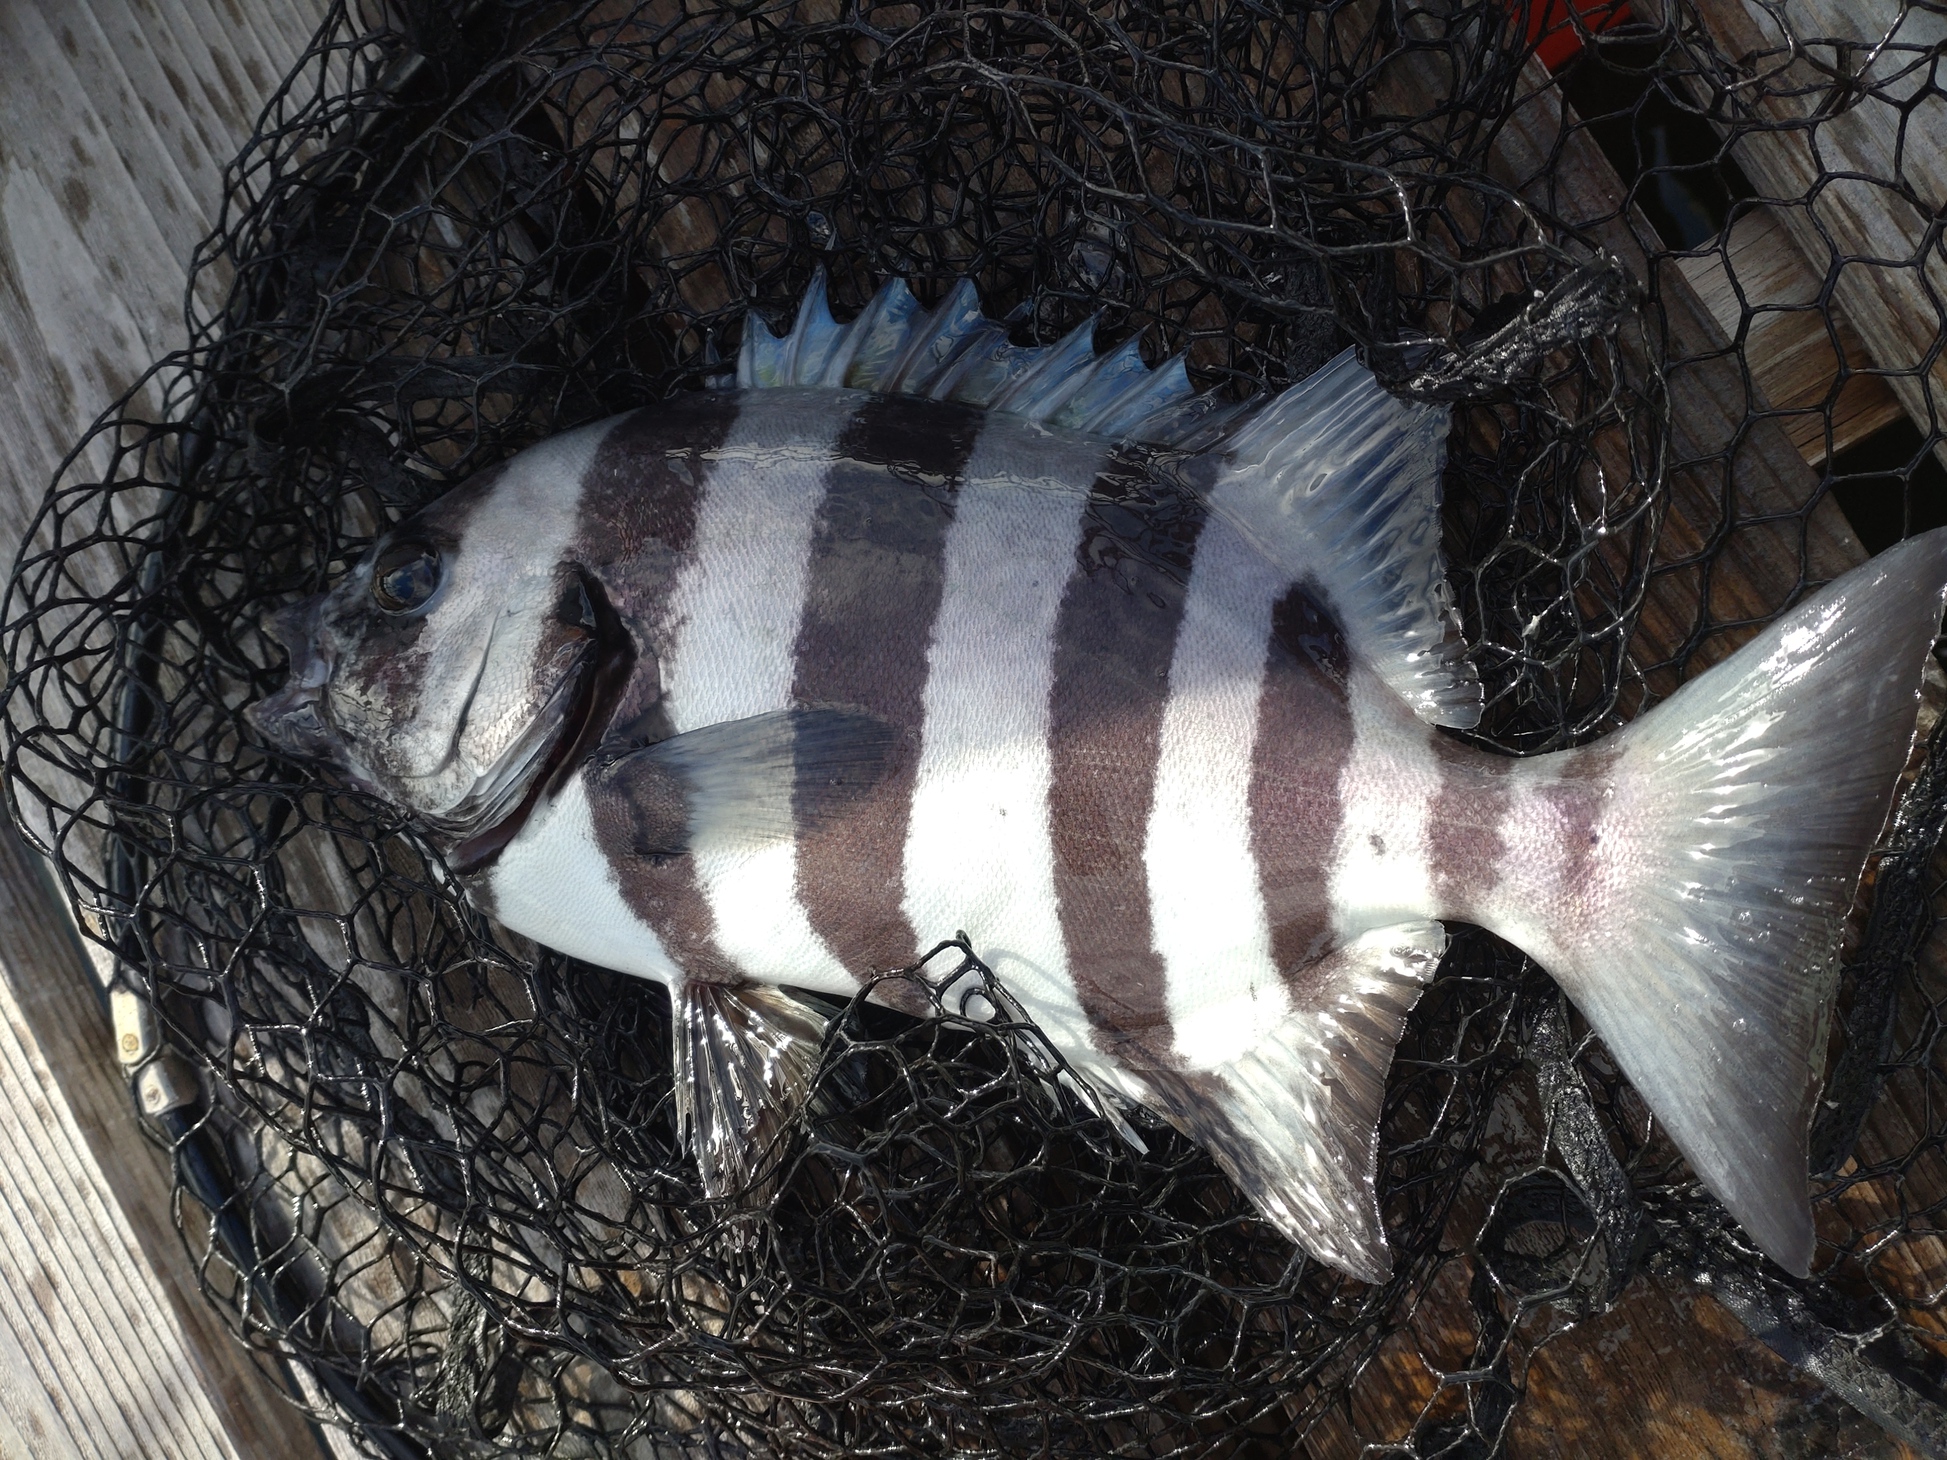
[[1717, 851]]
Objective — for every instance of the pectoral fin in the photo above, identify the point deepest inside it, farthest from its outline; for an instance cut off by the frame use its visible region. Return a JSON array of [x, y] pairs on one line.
[[745, 1056], [1295, 1120], [750, 781]]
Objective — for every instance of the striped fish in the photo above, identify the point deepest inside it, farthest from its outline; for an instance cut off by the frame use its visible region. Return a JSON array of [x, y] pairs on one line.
[[917, 631]]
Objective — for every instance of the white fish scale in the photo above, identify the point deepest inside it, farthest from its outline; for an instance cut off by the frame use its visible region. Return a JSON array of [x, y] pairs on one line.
[[734, 614], [978, 852], [1528, 897], [1380, 867], [1206, 904], [554, 884]]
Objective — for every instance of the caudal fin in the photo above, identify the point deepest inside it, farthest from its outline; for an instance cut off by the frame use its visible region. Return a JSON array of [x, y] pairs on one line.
[[1726, 845]]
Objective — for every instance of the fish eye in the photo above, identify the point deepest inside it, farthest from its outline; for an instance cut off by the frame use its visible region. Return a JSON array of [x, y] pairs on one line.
[[405, 576]]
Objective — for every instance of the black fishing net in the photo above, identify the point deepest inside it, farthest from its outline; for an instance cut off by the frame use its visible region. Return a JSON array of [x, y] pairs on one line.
[[1679, 269]]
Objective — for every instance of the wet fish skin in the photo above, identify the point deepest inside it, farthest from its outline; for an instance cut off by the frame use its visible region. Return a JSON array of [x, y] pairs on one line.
[[794, 681]]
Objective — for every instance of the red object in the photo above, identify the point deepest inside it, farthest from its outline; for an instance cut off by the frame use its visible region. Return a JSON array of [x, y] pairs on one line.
[[1555, 35]]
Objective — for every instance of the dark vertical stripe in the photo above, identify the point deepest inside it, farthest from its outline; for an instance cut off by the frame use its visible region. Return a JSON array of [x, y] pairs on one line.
[[1464, 839], [1114, 640], [1304, 740], [1467, 833], [639, 504], [872, 592], [1579, 797]]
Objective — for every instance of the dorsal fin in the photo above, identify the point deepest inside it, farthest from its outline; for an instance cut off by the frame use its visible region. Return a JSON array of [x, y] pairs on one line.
[[954, 352], [1340, 482], [1335, 479]]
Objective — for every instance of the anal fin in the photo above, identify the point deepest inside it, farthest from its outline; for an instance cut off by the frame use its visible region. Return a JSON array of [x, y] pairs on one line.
[[1294, 1121]]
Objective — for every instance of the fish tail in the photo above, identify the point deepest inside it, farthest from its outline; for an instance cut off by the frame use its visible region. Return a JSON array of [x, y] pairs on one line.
[[1710, 855]]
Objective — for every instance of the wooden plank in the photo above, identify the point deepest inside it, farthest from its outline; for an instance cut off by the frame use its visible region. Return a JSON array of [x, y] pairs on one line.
[[1693, 1383], [1736, 544], [111, 155], [1838, 146], [1737, 486], [91, 1318], [1666, 1372], [1764, 296]]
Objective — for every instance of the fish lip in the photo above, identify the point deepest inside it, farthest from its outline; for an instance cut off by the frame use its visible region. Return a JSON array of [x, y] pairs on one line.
[[292, 720], [292, 723]]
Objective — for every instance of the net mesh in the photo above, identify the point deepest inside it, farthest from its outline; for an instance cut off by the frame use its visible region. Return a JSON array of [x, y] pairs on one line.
[[1679, 267]]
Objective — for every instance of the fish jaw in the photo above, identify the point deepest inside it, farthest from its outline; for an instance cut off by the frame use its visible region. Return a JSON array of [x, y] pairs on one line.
[[293, 720]]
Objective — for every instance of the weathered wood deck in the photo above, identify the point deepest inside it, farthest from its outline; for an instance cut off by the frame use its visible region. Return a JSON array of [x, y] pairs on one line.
[[117, 118]]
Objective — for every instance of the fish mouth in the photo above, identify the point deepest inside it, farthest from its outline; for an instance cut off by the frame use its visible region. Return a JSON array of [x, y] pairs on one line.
[[292, 721]]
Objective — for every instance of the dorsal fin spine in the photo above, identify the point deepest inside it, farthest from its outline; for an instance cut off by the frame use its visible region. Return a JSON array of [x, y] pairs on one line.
[[1057, 373], [880, 343], [1146, 396], [755, 359], [974, 370], [1113, 374], [955, 352], [855, 335], [937, 339]]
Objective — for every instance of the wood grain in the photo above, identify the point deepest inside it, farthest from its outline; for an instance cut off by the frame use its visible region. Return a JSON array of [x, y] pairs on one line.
[[1765, 299], [81, 1304], [1738, 487], [117, 118], [1859, 160], [1669, 1372]]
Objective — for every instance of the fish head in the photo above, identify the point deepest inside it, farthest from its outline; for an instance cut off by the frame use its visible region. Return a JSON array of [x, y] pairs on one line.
[[443, 670]]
